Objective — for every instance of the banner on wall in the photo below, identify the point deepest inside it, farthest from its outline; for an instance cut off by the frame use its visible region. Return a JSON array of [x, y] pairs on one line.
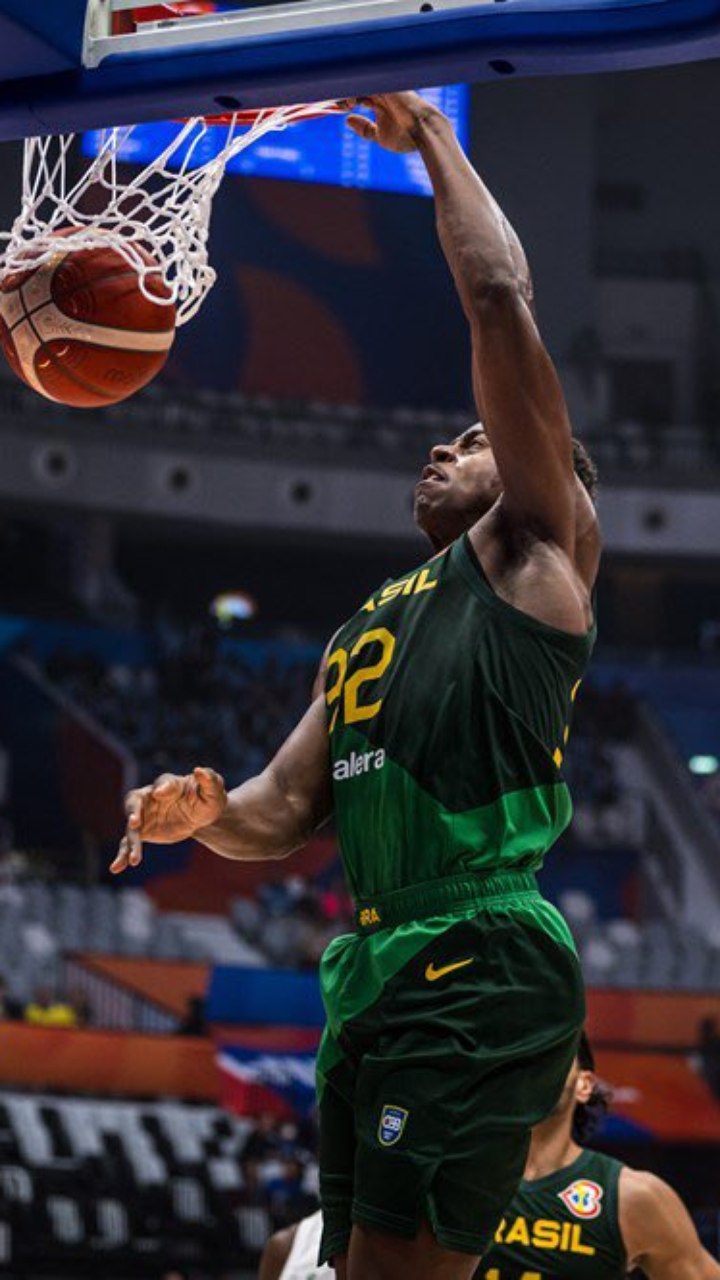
[[264, 997], [253, 1081]]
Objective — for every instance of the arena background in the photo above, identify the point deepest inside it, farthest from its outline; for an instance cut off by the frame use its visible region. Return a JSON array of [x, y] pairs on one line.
[[156, 1104]]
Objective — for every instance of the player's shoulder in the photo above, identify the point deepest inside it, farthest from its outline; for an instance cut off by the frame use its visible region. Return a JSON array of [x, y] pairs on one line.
[[276, 1253], [646, 1203], [640, 1188]]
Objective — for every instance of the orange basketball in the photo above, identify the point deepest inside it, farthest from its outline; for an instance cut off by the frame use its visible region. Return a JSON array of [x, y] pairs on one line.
[[79, 330]]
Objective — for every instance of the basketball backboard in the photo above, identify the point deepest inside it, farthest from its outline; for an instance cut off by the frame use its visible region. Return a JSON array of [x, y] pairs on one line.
[[77, 64]]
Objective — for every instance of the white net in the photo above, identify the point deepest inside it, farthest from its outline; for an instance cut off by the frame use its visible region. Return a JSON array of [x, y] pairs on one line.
[[157, 219]]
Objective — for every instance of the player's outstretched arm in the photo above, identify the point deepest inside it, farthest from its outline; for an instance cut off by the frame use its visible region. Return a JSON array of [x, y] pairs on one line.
[[267, 817], [519, 395], [658, 1232]]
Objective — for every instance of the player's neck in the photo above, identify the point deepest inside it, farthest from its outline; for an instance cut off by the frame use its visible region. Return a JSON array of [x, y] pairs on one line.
[[551, 1148]]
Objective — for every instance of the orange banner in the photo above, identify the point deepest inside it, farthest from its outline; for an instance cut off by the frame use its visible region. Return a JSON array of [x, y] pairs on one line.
[[107, 1062], [648, 1018], [168, 983], [663, 1093]]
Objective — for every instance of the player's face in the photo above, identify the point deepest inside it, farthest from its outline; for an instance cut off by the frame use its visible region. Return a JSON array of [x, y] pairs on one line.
[[457, 487]]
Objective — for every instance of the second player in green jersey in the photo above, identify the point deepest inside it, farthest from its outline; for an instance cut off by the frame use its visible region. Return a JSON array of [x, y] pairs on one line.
[[580, 1214]]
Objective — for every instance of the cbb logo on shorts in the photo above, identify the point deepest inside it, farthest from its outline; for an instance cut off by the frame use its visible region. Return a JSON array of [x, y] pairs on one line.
[[583, 1198], [392, 1125]]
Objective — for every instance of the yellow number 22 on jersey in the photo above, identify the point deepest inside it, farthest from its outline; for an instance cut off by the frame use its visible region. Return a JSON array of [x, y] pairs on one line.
[[345, 691]]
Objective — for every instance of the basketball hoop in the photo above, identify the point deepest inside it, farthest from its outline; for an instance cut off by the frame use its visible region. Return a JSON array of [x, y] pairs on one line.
[[163, 211]]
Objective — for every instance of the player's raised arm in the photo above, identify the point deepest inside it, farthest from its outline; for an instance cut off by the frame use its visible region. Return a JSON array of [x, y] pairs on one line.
[[519, 395], [267, 817], [658, 1231]]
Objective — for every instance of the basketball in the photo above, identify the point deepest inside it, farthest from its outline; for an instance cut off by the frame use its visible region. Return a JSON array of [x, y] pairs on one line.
[[79, 330]]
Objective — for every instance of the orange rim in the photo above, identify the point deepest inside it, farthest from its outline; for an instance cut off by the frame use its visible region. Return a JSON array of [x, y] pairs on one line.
[[249, 117]]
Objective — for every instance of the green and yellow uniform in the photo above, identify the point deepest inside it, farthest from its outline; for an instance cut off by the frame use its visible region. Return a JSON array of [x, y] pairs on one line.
[[562, 1227], [453, 1012]]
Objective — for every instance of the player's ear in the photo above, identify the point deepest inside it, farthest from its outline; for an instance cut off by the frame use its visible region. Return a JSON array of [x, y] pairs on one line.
[[584, 1086]]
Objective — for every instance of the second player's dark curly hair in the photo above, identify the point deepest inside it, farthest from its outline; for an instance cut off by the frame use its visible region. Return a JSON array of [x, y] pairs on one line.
[[588, 1116], [585, 468]]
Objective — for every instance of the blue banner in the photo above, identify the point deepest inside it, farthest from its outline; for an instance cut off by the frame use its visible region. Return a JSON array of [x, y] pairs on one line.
[[265, 997]]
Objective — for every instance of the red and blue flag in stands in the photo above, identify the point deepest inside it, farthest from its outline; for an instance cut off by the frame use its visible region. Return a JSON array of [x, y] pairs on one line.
[[255, 1081]]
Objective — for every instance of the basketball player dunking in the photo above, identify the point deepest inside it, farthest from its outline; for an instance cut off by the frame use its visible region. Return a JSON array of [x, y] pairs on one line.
[[437, 739], [577, 1215]]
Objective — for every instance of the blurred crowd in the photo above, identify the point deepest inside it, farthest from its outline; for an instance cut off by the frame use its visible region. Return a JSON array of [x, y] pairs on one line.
[[605, 814], [280, 1175], [293, 921], [198, 701]]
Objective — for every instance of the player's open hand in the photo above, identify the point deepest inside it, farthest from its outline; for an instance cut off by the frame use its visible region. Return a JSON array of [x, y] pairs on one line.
[[399, 118], [172, 808]]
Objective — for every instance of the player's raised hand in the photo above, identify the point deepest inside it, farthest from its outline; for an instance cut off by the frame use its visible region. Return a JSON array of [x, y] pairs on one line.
[[398, 117], [172, 808]]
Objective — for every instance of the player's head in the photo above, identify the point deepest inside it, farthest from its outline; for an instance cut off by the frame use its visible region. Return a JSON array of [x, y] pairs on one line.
[[461, 483], [584, 1101]]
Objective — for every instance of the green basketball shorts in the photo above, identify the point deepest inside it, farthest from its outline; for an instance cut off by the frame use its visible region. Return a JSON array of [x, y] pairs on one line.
[[449, 1036]]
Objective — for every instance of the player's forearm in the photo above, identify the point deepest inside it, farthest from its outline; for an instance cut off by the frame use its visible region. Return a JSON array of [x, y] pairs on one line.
[[259, 821], [481, 247]]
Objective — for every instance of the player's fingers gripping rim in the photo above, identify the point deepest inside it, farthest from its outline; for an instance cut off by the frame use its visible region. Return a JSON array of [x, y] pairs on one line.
[[362, 126]]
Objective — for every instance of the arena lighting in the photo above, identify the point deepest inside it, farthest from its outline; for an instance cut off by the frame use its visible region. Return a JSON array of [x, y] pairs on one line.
[[231, 607], [703, 766]]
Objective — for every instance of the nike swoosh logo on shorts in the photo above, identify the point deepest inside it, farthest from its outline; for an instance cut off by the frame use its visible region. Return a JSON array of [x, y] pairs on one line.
[[432, 974]]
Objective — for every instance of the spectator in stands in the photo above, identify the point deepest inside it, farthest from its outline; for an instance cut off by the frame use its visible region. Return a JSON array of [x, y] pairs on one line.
[[9, 1008], [251, 1210], [288, 1200], [80, 1003], [194, 1023], [710, 1053], [263, 1142], [301, 919], [336, 903], [44, 1010]]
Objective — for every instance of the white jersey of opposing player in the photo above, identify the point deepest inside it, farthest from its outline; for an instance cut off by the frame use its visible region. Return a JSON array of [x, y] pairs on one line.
[[302, 1262]]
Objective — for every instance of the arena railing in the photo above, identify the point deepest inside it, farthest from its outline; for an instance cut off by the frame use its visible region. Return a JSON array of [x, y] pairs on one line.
[[111, 1004]]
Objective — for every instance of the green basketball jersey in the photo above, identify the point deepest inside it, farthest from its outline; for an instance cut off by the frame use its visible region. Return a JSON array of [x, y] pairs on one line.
[[448, 713], [562, 1227]]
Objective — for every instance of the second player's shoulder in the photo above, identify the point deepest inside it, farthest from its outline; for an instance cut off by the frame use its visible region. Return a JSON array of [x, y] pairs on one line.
[[276, 1253], [642, 1197], [642, 1194], [658, 1232]]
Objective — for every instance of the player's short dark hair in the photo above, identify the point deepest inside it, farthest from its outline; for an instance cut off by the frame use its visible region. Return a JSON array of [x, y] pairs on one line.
[[588, 1116], [585, 468]]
